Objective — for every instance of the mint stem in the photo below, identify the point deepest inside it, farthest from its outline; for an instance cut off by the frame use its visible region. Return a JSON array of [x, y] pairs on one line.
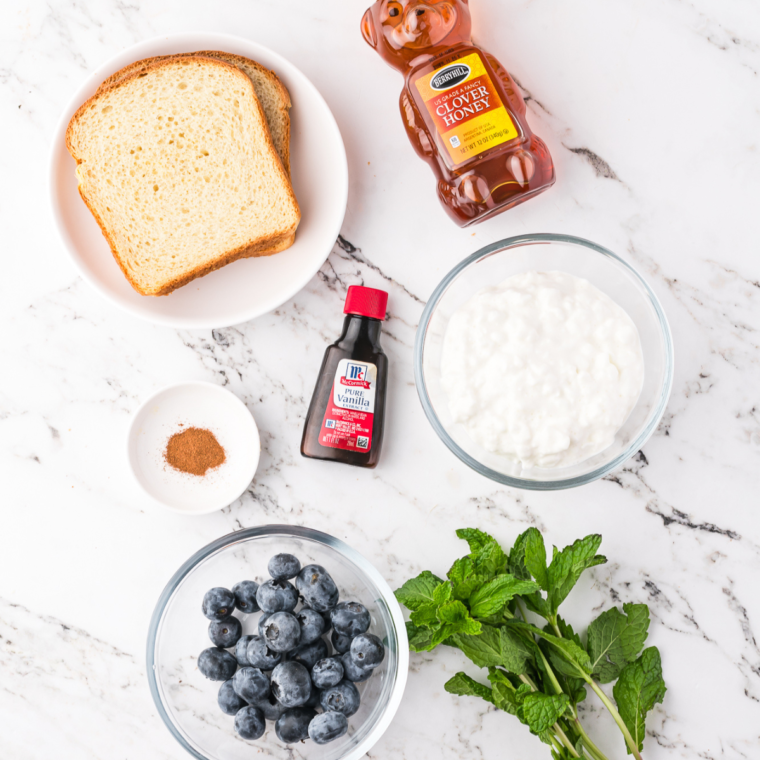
[[563, 737], [616, 716], [605, 701]]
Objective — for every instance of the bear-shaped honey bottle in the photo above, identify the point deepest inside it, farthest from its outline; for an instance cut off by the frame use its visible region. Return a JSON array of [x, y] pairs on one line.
[[462, 111]]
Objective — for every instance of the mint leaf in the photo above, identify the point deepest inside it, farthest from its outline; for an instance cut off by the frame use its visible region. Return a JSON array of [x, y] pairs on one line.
[[615, 639], [516, 565], [535, 557], [506, 696], [567, 632], [542, 711], [485, 649], [516, 561], [515, 655], [568, 565], [497, 675], [454, 618], [638, 689], [494, 647], [425, 616], [490, 559], [575, 656], [418, 591], [493, 596], [476, 539], [455, 613], [536, 603], [464, 579], [573, 686], [442, 593], [420, 639], [465, 686]]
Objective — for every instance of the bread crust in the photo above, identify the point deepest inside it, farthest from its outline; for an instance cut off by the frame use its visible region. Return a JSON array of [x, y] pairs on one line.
[[266, 245]]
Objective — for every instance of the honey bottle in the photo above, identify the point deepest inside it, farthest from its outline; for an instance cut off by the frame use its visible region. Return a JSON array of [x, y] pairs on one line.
[[345, 418], [462, 110]]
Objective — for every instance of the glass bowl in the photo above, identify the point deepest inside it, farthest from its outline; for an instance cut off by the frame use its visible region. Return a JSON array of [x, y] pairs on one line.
[[187, 701], [546, 252]]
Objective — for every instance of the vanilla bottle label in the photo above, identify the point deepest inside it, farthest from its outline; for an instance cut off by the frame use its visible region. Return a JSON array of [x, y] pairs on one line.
[[350, 412]]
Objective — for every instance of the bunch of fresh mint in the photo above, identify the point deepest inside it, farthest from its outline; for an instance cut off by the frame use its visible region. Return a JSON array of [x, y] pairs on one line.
[[537, 674]]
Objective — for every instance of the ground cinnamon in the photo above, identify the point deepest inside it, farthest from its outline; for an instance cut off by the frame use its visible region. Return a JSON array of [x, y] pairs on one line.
[[195, 451]]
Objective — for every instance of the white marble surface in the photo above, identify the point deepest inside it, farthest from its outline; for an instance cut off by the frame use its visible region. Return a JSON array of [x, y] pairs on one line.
[[651, 109]]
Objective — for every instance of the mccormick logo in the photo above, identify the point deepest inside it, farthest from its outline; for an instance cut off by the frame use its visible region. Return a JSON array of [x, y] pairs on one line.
[[450, 76], [355, 376]]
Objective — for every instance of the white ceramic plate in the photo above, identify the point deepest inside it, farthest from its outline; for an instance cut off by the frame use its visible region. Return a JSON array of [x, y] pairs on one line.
[[178, 407], [249, 287]]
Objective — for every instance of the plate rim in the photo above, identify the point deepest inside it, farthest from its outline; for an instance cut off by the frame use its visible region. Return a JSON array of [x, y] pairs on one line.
[[108, 67]]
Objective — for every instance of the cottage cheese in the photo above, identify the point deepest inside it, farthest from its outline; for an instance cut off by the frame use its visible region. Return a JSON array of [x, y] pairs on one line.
[[544, 368]]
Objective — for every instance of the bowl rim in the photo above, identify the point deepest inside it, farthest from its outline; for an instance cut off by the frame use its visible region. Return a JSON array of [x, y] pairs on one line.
[[364, 565], [203, 386], [524, 483]]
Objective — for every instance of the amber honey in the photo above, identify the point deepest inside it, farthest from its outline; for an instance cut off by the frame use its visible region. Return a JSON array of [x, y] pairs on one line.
[[462, 111]]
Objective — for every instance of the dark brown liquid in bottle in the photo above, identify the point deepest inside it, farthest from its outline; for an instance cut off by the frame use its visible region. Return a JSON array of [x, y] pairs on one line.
[[360, 341]]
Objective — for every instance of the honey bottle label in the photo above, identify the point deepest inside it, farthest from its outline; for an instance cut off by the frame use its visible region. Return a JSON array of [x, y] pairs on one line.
[[350, 409], [466, 108]]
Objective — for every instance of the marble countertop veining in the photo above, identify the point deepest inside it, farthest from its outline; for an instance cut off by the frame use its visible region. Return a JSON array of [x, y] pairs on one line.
[[651, 109]]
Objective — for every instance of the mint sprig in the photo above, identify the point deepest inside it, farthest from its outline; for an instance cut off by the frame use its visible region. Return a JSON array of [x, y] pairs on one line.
[[538, 674]]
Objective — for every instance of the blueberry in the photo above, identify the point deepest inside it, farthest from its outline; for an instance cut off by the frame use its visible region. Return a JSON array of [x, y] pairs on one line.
[[283, 567], [228, 700], [327, 672], [313, 700], [350, 619], [250, 723], [260, 656], [240, 651], [343, 698], [309, 654], [251, 684], [277, 596], [218, 603], [225, 633], [328, 727], [282, 632], [217, 664], [317, 588], [291, 684], [340, 643], [245, 596], [293, 725], [312, 625], [367, 650], [262, 622], [271, 708], [354, 672]]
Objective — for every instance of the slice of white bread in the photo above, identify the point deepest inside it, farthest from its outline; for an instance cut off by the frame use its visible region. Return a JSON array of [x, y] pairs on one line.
[[271, 92], [177, 165]]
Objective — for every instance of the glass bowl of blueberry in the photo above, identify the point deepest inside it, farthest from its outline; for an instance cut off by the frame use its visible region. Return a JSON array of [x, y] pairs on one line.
[[277, 638]]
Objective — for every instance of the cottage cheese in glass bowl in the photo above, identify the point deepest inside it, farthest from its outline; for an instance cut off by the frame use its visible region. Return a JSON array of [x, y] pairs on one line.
[[544, 368], [543, 361]]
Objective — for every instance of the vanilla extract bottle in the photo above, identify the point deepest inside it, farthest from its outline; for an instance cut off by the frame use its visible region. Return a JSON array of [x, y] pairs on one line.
[[345, 418]]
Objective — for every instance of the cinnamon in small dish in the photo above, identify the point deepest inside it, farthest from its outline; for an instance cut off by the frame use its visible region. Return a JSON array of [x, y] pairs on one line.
[[194, 451]]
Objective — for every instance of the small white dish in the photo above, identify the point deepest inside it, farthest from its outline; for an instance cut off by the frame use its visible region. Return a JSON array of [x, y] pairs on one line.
[[244, 289], [176, 408]]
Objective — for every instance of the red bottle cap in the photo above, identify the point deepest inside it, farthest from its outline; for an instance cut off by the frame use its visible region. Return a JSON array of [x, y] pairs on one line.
[[366, 302]]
